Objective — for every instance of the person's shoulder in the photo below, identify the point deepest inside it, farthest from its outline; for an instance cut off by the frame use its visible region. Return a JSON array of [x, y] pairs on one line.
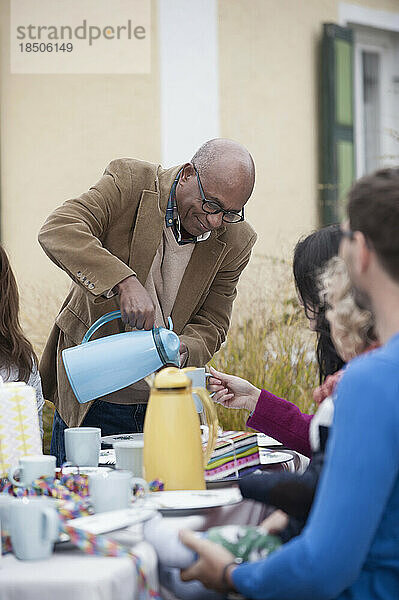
[[132, 171], [240, 235], [383, 359], [373, 372]]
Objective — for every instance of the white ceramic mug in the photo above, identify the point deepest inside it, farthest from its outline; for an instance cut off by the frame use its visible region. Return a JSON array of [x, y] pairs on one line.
[[34, 527], [82, 446], [5, 506], [112, 490], [198, 379], [32, 467], [129, 456]]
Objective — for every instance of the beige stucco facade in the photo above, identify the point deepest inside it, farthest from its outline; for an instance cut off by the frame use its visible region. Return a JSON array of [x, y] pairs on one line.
[[269, 60], [58, 132]]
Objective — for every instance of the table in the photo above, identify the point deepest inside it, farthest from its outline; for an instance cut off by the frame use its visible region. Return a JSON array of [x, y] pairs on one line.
[[70, 574]]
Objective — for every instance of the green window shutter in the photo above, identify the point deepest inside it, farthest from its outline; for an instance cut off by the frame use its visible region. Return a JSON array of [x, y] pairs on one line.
[[337, 137]]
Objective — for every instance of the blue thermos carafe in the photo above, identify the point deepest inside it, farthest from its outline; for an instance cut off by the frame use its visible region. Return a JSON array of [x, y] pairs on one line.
[[111, 363]]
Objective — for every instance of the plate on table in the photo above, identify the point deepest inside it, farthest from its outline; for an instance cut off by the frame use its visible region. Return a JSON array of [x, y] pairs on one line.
[[107, 457], [273, 457], [83, 470], [109, 440], [112, 520], [268, 459], [182, 502], [266, 441]]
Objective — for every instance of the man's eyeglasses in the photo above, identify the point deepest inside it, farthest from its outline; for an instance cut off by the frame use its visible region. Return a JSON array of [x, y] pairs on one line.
[[348, 234], [213, 208]]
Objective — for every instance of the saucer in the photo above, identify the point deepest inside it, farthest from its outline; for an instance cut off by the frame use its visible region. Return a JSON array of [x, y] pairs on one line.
[[267, 441], [112, 520], [83, 470], [182, 502], [119, 437]]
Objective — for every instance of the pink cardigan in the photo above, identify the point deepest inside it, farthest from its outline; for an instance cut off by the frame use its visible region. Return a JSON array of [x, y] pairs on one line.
[[283, 421]]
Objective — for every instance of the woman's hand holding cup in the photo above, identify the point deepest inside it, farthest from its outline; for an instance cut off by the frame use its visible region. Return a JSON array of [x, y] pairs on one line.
[[232, 391]]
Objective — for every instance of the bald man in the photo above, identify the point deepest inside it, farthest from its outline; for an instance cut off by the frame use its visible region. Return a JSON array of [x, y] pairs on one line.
[[153, 243]]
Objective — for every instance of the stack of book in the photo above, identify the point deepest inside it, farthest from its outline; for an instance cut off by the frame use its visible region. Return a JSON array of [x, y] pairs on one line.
[[235, 453]]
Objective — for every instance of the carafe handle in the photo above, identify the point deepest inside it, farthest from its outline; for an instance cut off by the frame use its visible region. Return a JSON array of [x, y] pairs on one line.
[[212, 420], [115, 314]]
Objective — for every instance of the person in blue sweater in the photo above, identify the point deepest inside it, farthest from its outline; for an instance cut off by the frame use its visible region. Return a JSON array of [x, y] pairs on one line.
[[349, 549]]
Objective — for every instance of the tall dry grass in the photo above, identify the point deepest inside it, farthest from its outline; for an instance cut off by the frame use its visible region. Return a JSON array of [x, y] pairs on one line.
[[38, 311], [268, 341], [271, 353]]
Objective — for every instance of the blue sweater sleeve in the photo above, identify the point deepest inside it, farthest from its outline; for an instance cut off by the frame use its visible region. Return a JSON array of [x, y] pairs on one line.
[[360, 470]]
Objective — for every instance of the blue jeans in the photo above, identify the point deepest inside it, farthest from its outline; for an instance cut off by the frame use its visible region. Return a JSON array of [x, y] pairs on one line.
[[111, 418]]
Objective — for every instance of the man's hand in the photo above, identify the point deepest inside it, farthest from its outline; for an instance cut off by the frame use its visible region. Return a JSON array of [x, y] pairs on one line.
[[275, 522], [137, 308], [210, 565]]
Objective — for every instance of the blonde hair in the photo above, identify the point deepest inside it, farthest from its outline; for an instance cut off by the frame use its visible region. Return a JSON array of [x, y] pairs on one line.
[[351, 325]]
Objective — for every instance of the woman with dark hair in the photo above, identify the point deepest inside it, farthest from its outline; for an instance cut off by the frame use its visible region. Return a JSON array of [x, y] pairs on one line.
[[270, 414], [18, 361], [311, 254]]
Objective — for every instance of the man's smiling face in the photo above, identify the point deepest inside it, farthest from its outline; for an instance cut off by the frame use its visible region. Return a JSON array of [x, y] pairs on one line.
[[189, 201]]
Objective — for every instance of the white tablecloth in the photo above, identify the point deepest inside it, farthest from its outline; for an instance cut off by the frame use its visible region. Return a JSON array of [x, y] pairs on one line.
[[71, 575]]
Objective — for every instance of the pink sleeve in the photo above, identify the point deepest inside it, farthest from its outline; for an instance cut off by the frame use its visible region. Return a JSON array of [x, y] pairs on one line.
[[283, 421]]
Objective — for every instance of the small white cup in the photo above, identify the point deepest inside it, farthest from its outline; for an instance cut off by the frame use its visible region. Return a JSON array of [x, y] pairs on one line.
[[34, 527], [5, 507], [32, 467], [198, 379], [82, 446], [129, 456], [112, 490]]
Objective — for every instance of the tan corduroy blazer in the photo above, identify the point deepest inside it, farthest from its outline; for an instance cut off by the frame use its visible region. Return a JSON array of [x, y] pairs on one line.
[[113, 231]]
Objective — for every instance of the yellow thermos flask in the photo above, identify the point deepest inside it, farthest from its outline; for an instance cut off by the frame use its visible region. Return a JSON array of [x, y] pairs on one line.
[[172, 437]]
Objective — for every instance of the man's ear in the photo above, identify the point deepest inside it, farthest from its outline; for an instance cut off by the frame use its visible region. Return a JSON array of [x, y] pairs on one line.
[[363, 251], [187, 172]]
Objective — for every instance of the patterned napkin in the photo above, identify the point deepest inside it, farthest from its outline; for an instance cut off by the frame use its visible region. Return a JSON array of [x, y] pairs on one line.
[[19, 424]]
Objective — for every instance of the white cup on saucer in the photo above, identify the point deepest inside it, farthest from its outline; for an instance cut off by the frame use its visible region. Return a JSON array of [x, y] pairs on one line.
[[31, 468], [112, 490], [129, 456], [82, 446]]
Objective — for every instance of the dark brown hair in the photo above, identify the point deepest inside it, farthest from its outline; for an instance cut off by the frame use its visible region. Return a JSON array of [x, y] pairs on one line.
[[373, 209], [15, 349], [311, 254]]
